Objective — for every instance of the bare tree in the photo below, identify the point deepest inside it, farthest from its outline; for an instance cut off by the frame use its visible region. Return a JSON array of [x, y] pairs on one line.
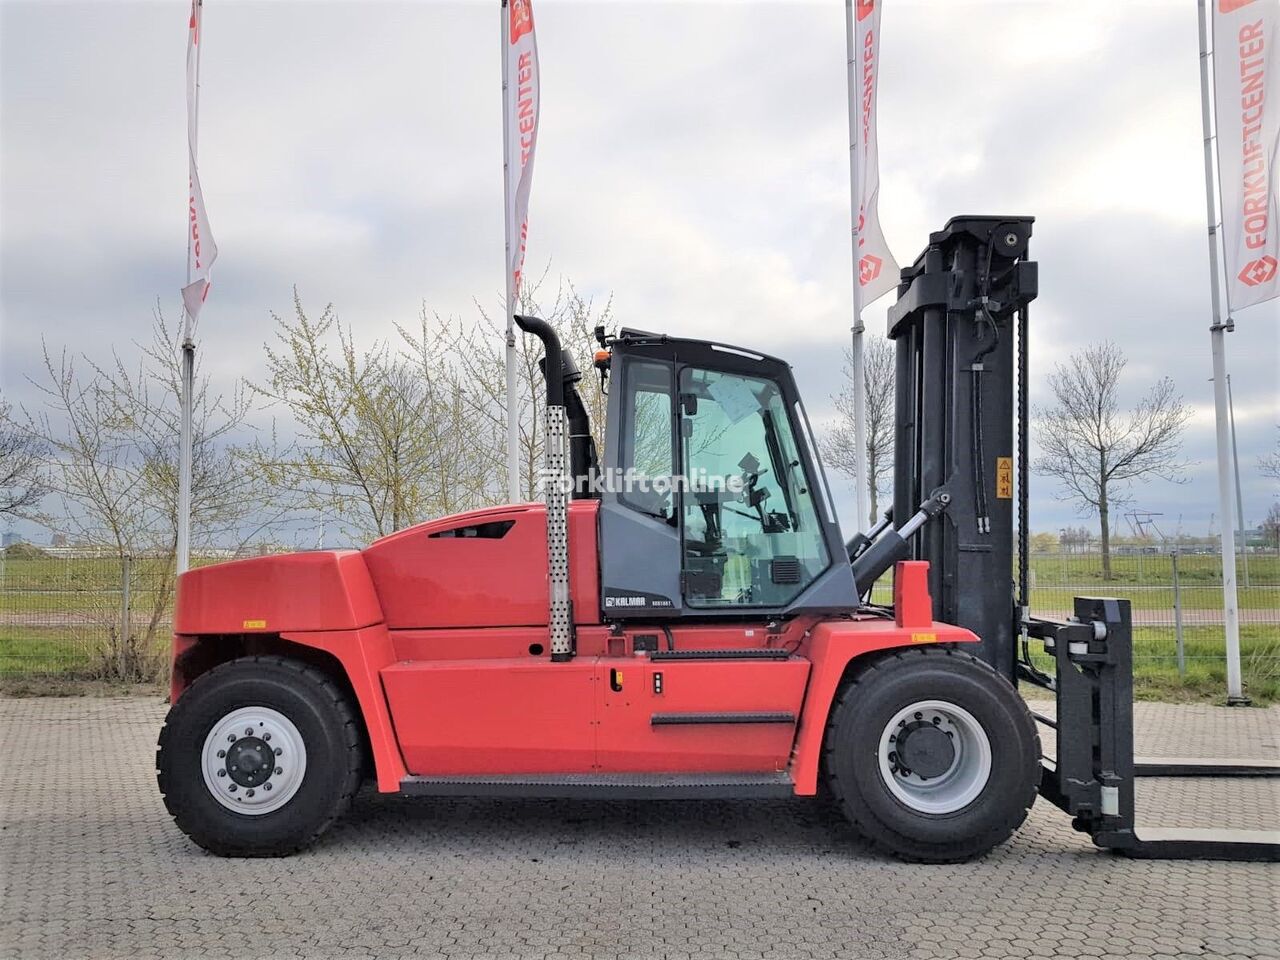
[[1269, 463], [1271, 527], [22, 484], [474, 353], [110, 439], [839, 448], [383, 439], [1093, 448]]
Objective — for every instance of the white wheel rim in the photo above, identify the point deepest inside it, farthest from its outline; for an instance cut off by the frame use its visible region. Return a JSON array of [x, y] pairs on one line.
[[269, 762], [969, 770]]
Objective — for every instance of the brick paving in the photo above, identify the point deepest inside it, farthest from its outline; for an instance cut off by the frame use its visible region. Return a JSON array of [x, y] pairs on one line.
[[92, 867]]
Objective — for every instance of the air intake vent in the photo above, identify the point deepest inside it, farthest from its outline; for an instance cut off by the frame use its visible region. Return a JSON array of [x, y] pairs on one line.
[[495, 530], [784, 570]]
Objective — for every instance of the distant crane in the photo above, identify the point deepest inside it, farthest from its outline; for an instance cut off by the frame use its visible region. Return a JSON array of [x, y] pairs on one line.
[[1144, 526]]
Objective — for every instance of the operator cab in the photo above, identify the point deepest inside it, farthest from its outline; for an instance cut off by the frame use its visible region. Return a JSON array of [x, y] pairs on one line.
[[714, 503]]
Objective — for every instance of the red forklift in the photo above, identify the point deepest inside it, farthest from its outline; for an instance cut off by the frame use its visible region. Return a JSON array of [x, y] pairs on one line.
[[683, 618]]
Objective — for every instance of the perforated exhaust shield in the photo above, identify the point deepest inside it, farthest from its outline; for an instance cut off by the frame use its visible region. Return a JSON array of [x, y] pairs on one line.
[[558, 535]]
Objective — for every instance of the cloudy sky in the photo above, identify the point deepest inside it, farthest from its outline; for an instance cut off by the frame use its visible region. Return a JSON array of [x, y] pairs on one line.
[[692, 164]]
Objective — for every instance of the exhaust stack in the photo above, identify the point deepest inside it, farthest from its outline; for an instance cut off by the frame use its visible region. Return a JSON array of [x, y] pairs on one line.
[[556, 481]]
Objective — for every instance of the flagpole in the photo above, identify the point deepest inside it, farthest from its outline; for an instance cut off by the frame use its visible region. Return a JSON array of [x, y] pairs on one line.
[[1217, 331], [856, 351], [513, 422], [1235, 469], [188, 367]]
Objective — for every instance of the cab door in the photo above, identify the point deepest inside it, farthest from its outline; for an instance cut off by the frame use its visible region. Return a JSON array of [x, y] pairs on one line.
[[750, 530]]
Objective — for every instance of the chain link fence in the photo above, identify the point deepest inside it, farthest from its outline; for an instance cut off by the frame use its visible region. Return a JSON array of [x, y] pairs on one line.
[[87, 615], [1176, 595]]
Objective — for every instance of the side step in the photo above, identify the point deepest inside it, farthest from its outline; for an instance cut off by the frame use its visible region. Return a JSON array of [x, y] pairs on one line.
[[746, 653], [610, 786]]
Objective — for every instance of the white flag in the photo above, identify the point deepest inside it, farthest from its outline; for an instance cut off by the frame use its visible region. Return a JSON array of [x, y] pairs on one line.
[[1246, 83], [523, 97], [877, 270], [201, 250]]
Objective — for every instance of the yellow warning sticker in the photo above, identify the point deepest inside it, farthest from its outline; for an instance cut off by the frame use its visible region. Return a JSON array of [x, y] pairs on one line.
[[255, 624], [924, 638], [1004, 478]]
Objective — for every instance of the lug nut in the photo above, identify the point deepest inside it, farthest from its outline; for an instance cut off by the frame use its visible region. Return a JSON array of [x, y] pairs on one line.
[[267, 785], [222, 773], [234, 788], [279, 770], [221, 754], [278, 751], [231, 738], [248, 731], [249, 793], [266, 736]]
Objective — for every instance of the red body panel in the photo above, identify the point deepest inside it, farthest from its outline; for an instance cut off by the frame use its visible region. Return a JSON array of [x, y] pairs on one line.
[[324, 590], [530, 716], [630, 743], [830, 646], [363, 655], [912, 605], [426, 581], [494, 716]]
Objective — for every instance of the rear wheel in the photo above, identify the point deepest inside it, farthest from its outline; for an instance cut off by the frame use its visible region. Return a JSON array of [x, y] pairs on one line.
[[259, 757], [932, 755]]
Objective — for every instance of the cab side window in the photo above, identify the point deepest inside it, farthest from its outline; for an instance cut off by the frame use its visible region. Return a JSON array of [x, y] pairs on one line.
[[648, 448]]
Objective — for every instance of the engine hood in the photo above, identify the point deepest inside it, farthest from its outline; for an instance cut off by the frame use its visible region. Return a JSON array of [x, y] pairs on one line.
[[321, 590]]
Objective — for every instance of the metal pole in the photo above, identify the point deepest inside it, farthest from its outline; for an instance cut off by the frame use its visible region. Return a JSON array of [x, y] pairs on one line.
[[1235, 467], [185, 455], [1177, 616], [1230, 602], [856, 352], [126, 571], [188, 363], [513, 421]]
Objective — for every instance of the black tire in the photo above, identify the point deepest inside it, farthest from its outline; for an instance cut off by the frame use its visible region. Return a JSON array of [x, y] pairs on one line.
[[851, 766], [330, 732]]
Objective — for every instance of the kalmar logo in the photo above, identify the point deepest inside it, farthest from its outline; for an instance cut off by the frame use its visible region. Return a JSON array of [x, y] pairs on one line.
[[521, 19], [867, 7], [1231, 6], [1259, 271], [869, 268]]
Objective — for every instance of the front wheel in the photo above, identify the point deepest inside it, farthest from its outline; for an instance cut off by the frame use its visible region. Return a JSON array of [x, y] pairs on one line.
[[932, 755], [259, 757]]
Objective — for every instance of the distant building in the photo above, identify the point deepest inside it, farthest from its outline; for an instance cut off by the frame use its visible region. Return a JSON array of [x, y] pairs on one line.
[[11, 539], [58, 540]]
